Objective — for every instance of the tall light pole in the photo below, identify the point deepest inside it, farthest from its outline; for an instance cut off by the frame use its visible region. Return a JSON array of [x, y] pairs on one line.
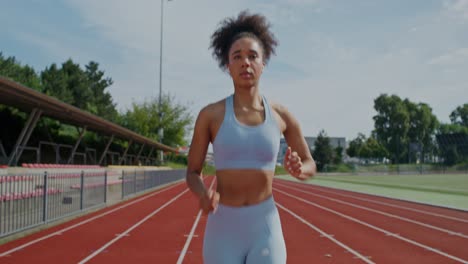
[[161, 129]]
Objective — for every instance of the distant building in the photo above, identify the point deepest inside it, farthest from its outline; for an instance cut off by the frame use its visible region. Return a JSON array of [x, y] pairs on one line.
[[334, 142]]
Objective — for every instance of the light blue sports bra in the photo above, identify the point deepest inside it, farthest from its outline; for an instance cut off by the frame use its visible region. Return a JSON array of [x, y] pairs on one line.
[[239, 146]]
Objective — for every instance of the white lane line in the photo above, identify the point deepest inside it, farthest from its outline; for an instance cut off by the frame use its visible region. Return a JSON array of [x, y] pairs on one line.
[[378, 202], [450, 232], [83, 222], [387, 233], [131, 228], [323, 234], [192, 231]]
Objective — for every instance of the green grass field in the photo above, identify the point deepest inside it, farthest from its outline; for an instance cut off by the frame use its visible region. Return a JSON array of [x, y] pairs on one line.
[[448, 190]]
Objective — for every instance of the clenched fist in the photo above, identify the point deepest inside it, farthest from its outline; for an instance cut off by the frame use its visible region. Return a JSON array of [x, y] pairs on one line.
[[209, 201], [292, 163]]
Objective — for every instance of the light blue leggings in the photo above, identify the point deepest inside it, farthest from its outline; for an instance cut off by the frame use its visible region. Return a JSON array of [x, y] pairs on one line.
[[244, 235]]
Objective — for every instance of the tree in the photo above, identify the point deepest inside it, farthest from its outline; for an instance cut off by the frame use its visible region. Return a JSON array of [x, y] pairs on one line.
[[452, 128], [363, 147], [392, 124], [338, 155], [372, 149], [452, 138], [102, 103], [84, 89], [26, 75], [143, 118], [423, 125], [355, 145], [460, 115], [54, 82], [323, 151]]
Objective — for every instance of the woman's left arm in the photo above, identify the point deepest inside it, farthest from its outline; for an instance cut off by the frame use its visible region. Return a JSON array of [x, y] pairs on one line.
[[298, 160]]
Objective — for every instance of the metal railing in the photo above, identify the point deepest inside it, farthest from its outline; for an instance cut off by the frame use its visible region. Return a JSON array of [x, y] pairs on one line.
[[33, 199], [136, 181]]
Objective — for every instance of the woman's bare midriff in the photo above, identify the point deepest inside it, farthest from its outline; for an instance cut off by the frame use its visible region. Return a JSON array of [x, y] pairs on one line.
[[244, 187]]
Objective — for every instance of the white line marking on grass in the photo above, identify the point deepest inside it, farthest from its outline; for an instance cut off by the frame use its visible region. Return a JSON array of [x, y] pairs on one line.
[[131, 228], [323, 234], [376, 228], [377, 202], [450, 232], [83, 222], [192, 231]]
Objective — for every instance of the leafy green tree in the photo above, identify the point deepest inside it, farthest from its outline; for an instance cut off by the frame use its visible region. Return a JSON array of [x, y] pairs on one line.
[[102, 103], [392, 124], [373, 149], [55, 84], [26, 75], [85, 89], [452, 128], [355, 145], [423, 125], [323, 151], [363, 147], [453, 138], [338, 155], [459, 116], [144, 118], [69, 84]]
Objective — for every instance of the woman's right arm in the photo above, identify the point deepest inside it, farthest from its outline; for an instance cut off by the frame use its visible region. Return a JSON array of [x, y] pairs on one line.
[[197, 154], [196, 157]]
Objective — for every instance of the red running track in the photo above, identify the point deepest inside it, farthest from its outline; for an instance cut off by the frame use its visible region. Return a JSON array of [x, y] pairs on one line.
[[320, 225]]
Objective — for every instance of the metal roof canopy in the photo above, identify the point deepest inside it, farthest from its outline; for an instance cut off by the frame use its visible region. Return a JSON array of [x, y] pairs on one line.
[[26, 99]]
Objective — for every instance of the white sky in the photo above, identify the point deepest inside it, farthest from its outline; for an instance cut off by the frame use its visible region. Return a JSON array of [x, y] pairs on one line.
[[335, 56]]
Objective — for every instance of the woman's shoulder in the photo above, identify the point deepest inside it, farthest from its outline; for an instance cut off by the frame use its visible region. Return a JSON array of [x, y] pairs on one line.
[[213, 110], [214, 107], [278, 107], [283, 113]]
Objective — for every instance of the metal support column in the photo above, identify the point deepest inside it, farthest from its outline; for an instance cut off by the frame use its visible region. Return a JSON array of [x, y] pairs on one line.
[[2, 151], [104, 153], [139, 153], [125, 152], [149, 155], [24, 137], [76, 145]]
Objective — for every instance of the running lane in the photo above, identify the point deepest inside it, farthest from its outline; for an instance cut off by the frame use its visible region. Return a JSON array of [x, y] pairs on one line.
[[373, 234], [422, 208], [158, 237], [304, 243], [72, 241], [455, 222]]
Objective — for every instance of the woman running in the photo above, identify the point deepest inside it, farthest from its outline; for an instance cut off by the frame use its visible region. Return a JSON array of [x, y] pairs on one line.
[[243, 223]]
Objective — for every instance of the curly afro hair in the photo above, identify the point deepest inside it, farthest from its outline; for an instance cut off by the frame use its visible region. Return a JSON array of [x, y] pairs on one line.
[[231, 29]]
